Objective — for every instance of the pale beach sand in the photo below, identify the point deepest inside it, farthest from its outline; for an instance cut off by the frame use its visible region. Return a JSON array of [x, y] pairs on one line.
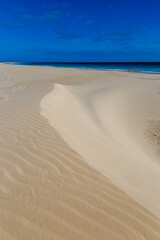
[[87, 167]]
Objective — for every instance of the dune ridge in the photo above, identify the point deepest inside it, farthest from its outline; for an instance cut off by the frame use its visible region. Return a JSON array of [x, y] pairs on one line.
[[47, 190], [106, 122]]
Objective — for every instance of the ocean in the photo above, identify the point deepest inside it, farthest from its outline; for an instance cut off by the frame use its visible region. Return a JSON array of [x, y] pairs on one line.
[[145, 67]]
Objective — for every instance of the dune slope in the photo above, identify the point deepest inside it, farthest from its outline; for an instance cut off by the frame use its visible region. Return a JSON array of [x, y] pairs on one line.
[[107, 123]]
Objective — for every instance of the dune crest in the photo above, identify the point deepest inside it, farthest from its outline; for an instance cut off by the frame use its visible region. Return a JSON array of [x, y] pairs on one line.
[[106, 122]]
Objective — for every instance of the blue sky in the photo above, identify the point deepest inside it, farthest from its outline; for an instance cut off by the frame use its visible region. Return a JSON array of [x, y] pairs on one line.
[[47, 30]]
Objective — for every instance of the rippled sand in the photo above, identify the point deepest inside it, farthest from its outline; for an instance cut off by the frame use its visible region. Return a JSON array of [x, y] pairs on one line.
[[47, 189]]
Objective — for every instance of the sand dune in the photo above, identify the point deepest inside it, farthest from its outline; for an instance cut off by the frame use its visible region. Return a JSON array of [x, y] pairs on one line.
[[106, 122], [47, 189]]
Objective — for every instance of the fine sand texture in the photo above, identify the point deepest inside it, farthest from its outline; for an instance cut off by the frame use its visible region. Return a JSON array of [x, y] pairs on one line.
[[87, 167], [114, 124]]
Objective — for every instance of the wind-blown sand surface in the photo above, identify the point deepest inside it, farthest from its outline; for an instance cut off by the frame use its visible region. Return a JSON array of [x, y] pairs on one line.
[[101, 181]]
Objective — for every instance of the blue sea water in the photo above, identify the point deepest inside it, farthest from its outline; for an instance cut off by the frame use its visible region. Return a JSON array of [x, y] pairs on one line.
[[147, 67]]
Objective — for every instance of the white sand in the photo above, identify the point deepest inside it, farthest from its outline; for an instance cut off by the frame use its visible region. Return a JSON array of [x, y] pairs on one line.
[[106, 122], [47, 190]]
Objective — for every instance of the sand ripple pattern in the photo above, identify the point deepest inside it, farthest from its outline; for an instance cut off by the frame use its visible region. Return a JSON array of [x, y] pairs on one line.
[[48, 192]]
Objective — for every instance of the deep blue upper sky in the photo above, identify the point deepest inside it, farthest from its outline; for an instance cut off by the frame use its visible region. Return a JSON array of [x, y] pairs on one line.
[[86, 30]]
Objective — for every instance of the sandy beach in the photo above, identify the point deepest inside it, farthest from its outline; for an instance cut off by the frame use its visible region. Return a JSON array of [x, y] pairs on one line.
[[79, 154]]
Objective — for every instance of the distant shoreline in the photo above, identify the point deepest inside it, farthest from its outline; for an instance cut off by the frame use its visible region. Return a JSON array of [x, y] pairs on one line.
[[147, 68]]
